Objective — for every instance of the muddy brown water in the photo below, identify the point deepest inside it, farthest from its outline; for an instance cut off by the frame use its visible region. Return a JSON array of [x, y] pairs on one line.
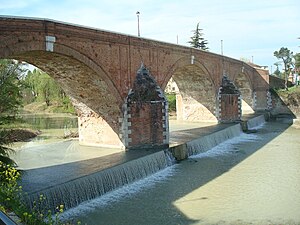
[[254, 179]]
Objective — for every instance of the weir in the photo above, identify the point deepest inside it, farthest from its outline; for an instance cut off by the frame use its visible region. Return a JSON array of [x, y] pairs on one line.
[[87, 187], [207, 142], [256, 121], [73, 183]]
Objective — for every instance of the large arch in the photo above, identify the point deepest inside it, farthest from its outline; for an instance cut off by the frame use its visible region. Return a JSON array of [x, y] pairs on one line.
[[243, 83], [196, 100], [95, 97]]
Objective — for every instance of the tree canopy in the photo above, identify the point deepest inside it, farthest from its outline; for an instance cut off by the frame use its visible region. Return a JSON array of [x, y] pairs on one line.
[[197, 40], [40, 87], [11, 73], [286, 56]]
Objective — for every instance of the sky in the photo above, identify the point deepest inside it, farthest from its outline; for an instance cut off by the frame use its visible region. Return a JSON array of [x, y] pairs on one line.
[[251, 30]]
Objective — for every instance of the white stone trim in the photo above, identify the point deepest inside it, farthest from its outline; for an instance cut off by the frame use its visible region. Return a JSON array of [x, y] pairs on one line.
[[50, 40]]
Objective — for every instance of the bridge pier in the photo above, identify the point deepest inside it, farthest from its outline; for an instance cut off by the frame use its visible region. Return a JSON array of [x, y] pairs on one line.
[[93, 129], [145, 123], [261, 100], [229, 102]]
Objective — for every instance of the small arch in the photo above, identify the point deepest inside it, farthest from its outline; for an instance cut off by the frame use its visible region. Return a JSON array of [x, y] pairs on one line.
[[244, 84], [196, 100]]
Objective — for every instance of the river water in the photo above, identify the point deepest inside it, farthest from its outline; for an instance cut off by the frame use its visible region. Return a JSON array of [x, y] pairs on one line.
[[250, 179], [50, 148]]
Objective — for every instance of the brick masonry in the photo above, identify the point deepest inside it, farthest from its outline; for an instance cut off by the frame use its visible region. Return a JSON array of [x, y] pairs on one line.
[[229, 99], [98, 69], [145, 121]]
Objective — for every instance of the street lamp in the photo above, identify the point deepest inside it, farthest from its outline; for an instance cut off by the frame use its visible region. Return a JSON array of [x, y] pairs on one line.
[[221, 47], [138, 18]]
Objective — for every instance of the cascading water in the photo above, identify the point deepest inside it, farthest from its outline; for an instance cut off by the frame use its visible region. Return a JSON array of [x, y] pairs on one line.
[[88, 187], [207, 142], [256, 121]]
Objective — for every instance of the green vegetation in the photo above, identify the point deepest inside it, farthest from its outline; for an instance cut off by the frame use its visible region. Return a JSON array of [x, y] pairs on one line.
[[197, 40], [286, 56], [10, 85], [172, 102], [10, 101], [11, 196], [41, 88], [288, 91], [17, 88]]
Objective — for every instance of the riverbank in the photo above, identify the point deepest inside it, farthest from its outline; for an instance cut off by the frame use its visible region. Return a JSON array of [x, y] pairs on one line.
[[17, 135]]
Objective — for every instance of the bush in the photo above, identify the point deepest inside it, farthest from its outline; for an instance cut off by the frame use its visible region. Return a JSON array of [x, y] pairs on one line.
[[11, 195]]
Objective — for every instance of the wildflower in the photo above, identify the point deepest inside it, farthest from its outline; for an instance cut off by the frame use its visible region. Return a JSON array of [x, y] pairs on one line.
[[61, 208]]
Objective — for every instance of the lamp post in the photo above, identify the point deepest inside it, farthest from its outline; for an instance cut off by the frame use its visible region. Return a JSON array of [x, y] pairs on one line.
[[138, 18], [221, 47]]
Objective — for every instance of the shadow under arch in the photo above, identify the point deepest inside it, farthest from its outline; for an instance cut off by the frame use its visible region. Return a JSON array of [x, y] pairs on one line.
[[245, 86], [80, 77], [196, 100]]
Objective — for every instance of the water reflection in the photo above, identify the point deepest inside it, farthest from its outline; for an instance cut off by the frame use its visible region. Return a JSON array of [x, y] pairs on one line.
[[50, 121]]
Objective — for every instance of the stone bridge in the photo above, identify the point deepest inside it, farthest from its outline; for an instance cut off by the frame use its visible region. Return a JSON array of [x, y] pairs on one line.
[[119, 103]]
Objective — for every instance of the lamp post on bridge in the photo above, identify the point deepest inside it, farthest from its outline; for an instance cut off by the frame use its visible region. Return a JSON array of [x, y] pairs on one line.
[[138, 19], [221, 47]]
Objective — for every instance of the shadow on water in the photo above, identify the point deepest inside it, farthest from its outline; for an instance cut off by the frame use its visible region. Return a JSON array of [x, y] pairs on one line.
[[157, 207]]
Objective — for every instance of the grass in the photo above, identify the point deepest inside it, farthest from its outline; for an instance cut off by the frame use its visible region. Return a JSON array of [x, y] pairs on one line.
[[291, 90]]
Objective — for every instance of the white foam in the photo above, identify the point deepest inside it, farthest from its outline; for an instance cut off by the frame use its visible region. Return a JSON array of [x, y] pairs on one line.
[[227, 147], [118, 194]]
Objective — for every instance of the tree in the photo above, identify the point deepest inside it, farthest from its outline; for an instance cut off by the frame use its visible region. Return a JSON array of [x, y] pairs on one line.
[[286, 56], [10, 99], [297, 62], [277, 72], [10, 85], [197, 40], [40, 87]]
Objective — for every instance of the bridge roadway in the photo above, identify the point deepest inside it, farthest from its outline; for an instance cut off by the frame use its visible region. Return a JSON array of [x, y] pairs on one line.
[[38, 179]]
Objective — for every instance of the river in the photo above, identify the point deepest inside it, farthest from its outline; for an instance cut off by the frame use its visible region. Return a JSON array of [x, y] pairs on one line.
[[251, 179], [50, 148]]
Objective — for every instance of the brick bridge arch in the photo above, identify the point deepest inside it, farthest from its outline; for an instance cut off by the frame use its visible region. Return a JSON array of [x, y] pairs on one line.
[[197, 96], [76, 74], [98, 69], [243, 82]]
